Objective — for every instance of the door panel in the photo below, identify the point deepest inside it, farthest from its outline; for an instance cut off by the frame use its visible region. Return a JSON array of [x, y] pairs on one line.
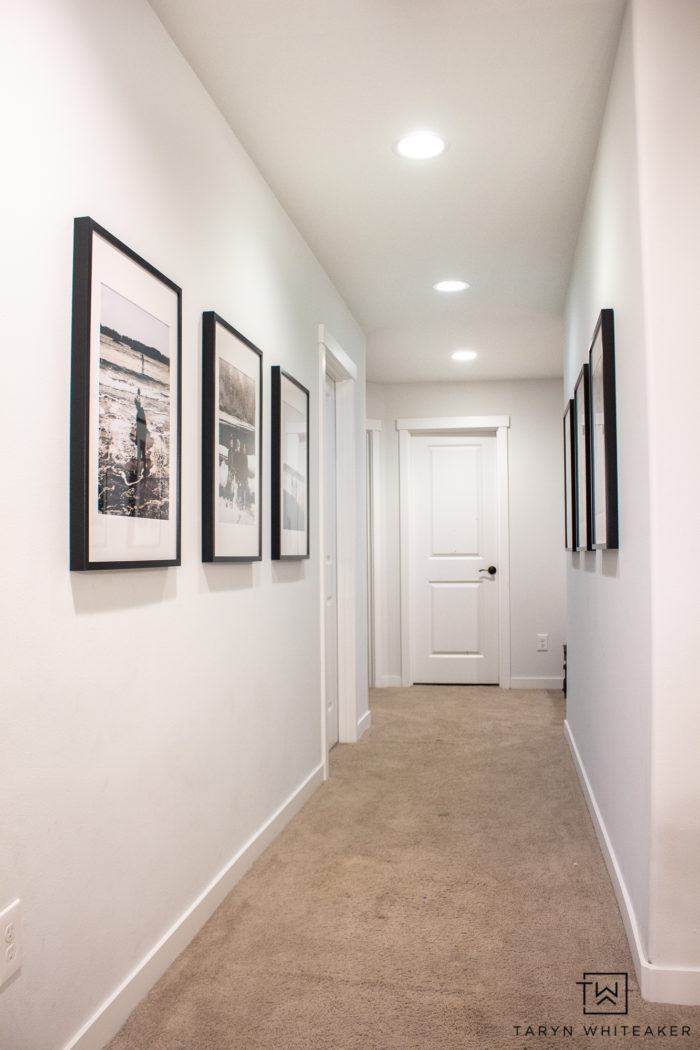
[[455, 513], [454, 605], [455, 618]]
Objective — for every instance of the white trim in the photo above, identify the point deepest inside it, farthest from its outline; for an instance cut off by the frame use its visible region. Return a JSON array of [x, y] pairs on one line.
[[502, 488], [537, 683], [321, 444], [364, 723], [376, 621], [454, 423], [339, 365], [457, 424], [404, 551], [335, 362], [111, 1015], [657, 984]]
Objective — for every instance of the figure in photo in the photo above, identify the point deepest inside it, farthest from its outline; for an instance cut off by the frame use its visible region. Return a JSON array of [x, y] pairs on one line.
[[141, 437], [237, 492], [134, 411]]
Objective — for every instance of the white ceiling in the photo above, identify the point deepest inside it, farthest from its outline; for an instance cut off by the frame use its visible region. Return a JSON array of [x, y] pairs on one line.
[[318, 91]]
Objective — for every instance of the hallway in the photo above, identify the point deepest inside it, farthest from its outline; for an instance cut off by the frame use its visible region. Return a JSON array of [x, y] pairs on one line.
[[444, 890]]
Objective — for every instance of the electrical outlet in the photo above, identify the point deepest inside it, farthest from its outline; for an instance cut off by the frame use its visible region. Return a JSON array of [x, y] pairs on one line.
[[542, 643], [10, 941]]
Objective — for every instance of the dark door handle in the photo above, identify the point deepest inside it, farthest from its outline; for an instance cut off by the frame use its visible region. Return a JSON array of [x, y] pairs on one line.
[[491, 570]]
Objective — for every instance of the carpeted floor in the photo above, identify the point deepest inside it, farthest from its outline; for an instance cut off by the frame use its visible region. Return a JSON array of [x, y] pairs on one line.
[[444, 890]]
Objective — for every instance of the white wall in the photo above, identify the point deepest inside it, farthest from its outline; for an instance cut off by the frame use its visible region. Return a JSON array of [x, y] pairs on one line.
[[667, 38], [609, 628], [152, 721], [536, 510], [632, 623]]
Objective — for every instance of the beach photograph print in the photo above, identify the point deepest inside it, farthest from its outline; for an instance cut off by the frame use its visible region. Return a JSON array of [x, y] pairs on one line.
[[237, 490], [289, 466], [231, 443], [125, 407], [294, 460], [134, 411]]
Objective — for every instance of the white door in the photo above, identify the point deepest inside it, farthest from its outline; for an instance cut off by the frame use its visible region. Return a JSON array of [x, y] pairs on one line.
[[454, 544], [330, 571]]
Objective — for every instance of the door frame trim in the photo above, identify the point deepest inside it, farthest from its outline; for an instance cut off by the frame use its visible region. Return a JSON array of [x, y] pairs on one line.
[[499, 426], [375, 563], [333, 361]]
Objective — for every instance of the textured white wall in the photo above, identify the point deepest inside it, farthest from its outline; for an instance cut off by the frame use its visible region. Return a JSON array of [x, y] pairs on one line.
[[609, 626], [151, 720], [633, 625], [667, 38], [535, 408]]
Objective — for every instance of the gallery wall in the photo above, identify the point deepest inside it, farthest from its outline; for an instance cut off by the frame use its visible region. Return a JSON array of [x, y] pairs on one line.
[[154, 722], [632, 623], [536, 511]]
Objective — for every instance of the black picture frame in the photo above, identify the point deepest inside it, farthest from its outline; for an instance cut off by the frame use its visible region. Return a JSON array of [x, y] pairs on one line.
[[126, 407], [289, 467], [603, 434], [583, 460], [232, 384], [570, 517]]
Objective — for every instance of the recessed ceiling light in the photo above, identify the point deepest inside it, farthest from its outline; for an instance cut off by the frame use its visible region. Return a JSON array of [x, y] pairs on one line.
[[450, 286], [421, 145], [464, 355]]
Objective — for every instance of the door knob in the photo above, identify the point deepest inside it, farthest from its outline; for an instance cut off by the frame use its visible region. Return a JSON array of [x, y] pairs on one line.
[[491, 570]]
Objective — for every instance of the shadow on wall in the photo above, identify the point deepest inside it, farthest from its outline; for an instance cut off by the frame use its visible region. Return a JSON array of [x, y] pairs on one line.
[[109, 590]]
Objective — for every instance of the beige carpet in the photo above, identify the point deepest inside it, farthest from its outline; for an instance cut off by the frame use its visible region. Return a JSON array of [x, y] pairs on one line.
[[442, 888]]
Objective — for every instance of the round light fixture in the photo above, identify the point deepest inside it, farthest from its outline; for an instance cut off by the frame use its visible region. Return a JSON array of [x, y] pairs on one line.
[[464, 355], [450, 286], [421, 145]]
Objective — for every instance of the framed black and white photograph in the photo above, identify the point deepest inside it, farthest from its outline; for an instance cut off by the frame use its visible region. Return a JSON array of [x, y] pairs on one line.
[[125, 407], [603, 426], [231, 443], [290, 467], [583, 461], [570, 522]]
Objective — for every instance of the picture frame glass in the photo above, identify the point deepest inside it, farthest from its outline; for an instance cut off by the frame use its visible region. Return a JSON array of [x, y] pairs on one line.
[[133, 424], [598, 444], [294, 460], [236, 448], [581, 439], [569, 479]]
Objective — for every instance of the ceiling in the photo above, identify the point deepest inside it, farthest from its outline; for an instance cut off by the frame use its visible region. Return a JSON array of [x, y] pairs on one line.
[[319, 91]]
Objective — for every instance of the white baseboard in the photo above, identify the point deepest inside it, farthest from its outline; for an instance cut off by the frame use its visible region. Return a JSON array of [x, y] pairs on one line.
[[556, 682], [110, 1017], [389, 681], [658, 984], [364, 723]]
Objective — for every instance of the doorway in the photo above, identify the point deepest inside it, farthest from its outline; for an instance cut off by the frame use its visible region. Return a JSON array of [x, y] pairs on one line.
[[335, 364], [455, 580]]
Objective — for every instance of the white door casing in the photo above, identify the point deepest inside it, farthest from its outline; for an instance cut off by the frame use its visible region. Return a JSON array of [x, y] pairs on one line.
[[463, 425], [329, 564], [454, 540], [375, 568], [333, 361]]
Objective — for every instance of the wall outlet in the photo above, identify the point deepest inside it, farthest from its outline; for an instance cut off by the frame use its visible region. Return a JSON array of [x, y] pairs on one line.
[[542, 643], [10, 941]]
